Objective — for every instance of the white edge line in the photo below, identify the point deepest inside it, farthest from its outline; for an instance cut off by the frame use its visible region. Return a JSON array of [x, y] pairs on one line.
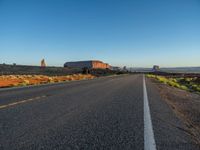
[[149, 140]]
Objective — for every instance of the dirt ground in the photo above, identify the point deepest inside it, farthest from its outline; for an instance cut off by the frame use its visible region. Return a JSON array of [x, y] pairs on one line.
[[24, 80], [186, 106]]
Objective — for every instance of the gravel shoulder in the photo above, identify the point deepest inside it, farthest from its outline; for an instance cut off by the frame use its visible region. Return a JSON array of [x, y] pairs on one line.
[[185, 105]]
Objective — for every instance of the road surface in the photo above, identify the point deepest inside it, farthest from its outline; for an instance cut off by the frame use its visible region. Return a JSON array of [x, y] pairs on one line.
[[122, 112]]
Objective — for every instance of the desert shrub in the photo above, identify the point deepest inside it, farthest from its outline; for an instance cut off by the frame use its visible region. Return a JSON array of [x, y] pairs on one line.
[[188, 79], [173, 80], [196, 87], [184, 87], [24, 83], [174, 84], [50, 80], [162, 79]]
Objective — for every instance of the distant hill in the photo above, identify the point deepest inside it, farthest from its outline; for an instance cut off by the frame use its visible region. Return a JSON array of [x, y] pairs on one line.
[[140, 69], [6, 69], [182, 70], [172, 70]]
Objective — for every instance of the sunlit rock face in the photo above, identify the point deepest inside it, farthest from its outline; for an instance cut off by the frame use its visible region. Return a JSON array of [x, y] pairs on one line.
[[92, 64]]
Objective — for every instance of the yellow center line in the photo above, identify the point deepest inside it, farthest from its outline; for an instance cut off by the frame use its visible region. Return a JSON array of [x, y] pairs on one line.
[[21, 102]]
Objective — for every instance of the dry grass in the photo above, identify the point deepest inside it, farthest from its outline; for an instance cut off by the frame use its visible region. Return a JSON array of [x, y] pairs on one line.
[[188, 84], [24, 80]]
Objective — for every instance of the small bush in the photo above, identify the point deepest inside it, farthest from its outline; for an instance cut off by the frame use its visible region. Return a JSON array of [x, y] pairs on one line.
[[184, 87], [25, 82], [180, 83], [51, 80]]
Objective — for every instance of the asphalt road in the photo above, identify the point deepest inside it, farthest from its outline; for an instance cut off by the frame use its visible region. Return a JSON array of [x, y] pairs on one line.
[[104, 113]]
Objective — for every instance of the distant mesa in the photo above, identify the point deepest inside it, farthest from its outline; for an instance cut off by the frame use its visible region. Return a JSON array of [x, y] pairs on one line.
[[156, 68], [90, 64]]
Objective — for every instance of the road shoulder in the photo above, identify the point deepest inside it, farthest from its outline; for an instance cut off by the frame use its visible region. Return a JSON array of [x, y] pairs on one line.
[[169, 129]]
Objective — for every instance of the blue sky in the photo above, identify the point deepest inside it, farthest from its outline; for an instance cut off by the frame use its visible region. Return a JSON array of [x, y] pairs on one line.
[[138, 33]]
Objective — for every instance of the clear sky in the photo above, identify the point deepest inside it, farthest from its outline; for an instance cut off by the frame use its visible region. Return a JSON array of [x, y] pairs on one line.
[[137, 33]]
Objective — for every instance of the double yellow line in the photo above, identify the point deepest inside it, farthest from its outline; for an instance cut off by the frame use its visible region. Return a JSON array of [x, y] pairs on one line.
[[21, 102]]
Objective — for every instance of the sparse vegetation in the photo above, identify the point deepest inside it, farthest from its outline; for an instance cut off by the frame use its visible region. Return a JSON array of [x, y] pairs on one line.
[[24, 80], [184, 83]]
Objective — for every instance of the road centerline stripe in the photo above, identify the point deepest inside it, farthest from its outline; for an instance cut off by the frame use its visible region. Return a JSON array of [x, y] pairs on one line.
[[149, 140], [21, 102]]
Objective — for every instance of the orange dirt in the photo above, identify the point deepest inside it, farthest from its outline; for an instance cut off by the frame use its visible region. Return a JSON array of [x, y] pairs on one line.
[[23, 80]]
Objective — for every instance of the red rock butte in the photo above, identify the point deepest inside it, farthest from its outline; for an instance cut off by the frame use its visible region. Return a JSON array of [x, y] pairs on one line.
[[91, 64]]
